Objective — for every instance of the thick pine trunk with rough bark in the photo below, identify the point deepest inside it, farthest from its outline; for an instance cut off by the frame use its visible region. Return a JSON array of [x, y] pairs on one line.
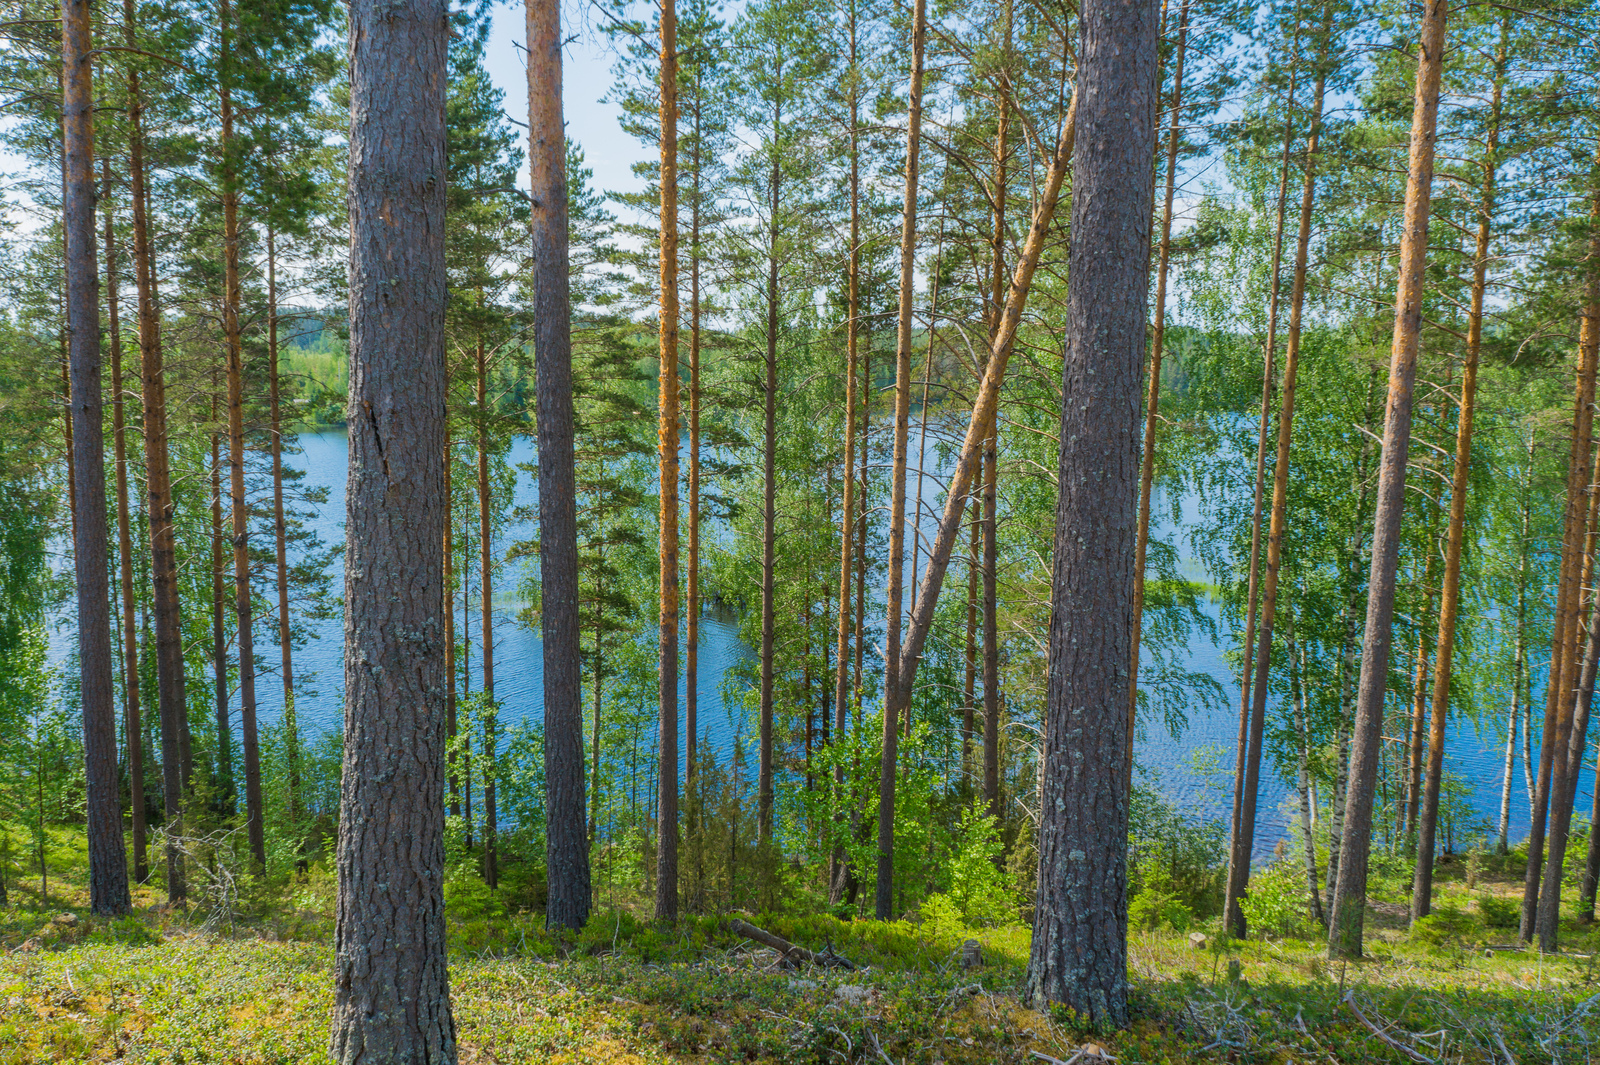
[[108, 864], [566, 839], [668, 441], [1079, 953], [1349, 899], [391, 983]]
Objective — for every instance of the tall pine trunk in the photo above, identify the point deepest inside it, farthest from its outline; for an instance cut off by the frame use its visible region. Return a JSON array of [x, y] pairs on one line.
[[108, 863], [1079, 952], [1570, 740], [491, 857], [391, 981], [841, 688], [896, 702], [1450, 591], [1268, 380], [239, 503], [769, 488], [226, 786], [171, 709], [1147, 469], [668, 443], [1243, 842], [132, 732], [291, 727], [566, 838], [1349, 900]]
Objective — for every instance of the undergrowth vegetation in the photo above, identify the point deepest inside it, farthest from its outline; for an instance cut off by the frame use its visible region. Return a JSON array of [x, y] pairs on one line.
[[156, 987]]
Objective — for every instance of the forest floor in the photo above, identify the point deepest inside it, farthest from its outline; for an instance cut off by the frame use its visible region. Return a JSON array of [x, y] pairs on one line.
[[159, 987]]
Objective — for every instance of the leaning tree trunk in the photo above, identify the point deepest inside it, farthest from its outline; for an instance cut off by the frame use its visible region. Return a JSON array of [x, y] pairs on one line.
[[391, 982], [970, 458], [667, 443], [566, 841], [132, 730], [1079, 953], [893, 704], [1243, 842], [1450, 590], [1147, 469], [1349, 900], [171, 709], [108, 863]]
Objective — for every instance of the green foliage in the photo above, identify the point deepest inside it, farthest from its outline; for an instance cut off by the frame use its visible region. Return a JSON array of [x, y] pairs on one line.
[[1499, 912], [978, 883], [1276, 901]]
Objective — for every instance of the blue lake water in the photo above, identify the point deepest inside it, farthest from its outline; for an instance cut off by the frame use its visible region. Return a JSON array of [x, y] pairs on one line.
[[1167, 761]]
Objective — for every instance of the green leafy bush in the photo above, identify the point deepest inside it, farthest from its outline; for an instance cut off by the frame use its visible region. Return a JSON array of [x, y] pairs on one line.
[[978, 885], [1276, 900]]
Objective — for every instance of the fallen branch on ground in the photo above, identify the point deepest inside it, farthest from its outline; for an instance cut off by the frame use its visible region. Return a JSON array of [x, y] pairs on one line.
[[1421, 1059], [790, 953]]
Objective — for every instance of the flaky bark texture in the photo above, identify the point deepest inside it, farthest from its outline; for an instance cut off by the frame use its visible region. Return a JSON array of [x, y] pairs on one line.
[[667, 443], [566, 842], [391, 986], [108, 864], [1349, 900], [1079, 954]]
